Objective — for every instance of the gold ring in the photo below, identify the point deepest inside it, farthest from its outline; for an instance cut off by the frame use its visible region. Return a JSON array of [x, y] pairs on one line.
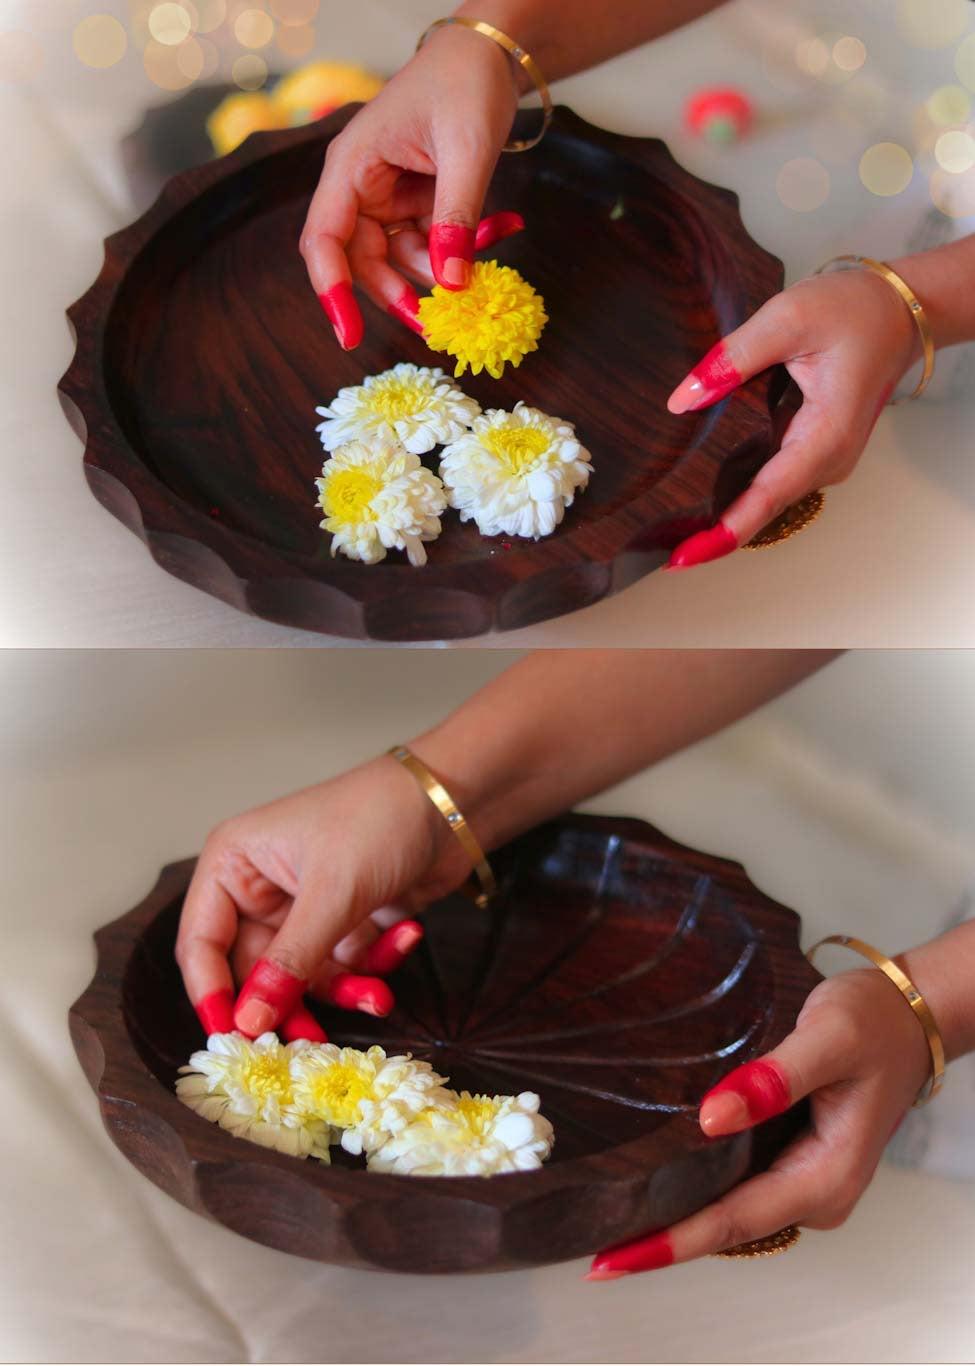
[[393, 228], [764, 1247], [795, 519]]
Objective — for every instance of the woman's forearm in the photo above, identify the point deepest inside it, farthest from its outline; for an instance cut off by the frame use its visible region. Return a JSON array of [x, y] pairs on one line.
[[565, 36], [943, 970], [563, 725], [944, 281]]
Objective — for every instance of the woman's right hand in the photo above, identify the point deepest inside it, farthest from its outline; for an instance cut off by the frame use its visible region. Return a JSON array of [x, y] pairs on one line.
[[422, 152], [293, 896]]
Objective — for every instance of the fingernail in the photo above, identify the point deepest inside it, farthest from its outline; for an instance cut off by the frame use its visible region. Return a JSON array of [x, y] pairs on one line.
[[645, 1254], [604, 1275], [343, 313], [389, 950], [704, 546], [301, 1024], [451, 254], [353, 992], [496, 227], [405, 309], [712, 379], [270, 993], [724, 1114], [761, 1087], [216, 1012], [254, 1017]]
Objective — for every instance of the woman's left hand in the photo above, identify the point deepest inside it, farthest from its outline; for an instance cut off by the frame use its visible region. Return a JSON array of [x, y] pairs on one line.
[[860, 1055], [846, 339]]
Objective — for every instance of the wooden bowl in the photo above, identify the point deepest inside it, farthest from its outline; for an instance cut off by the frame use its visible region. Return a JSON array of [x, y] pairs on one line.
[[619, 975], [202, 354]]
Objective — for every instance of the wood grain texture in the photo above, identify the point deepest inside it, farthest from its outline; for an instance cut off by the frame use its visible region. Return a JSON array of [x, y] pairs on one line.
[[202, 354], [619, 975]]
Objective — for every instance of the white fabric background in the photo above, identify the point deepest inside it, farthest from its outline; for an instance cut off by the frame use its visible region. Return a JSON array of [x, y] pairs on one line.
[[891, 562], [852, 800]]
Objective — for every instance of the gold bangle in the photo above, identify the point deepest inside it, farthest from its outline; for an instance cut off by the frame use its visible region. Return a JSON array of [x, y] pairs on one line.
[[526, 62], [914, 999], [458, 826], [914, 306]]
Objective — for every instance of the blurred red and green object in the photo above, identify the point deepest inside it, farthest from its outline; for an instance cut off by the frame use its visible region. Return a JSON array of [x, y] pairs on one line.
[[305, 94]]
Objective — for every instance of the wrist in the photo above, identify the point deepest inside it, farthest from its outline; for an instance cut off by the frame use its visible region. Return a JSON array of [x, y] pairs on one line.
[[456, 42]]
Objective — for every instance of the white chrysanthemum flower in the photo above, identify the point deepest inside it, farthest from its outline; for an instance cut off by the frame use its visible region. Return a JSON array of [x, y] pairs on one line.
[[420, 407], [473, 1136], [379, 498], [247, 1087], [515, 472], [369, 1096]]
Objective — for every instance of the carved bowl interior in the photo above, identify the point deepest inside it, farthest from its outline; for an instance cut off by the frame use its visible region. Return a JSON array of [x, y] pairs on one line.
[[619, 975], [203, 353]]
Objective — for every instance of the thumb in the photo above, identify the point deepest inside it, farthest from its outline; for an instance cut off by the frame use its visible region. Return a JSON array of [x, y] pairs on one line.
[[462, 181], [805, 1061]]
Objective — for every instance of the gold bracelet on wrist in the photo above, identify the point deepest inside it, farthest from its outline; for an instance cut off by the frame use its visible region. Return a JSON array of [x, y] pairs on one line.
[[526, 62], [456, 823], [914, 307], [914, 999]]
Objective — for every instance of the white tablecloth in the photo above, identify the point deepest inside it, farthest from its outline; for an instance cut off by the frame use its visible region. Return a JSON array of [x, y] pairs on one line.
[[115, 763], [890, 563]]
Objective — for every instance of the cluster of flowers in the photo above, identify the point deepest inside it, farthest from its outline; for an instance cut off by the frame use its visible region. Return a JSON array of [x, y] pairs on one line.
[[512, 473], [301, 1098]]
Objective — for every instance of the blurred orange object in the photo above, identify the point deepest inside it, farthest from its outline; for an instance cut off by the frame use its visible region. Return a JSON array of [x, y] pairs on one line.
[[307, 93]]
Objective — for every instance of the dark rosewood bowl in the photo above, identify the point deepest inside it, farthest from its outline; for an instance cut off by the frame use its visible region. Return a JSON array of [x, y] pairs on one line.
[[202, 354], [619, 975]]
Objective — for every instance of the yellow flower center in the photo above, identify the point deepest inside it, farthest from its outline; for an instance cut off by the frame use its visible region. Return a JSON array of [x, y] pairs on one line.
[[477, 1111], [395, 398], [347, 496], [336, 1093], [516, 446], [266, 1075]]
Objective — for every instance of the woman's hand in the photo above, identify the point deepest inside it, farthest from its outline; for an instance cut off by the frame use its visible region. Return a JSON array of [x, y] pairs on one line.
[[421, 152], [860, 1055], [846, 339], [291, 897]]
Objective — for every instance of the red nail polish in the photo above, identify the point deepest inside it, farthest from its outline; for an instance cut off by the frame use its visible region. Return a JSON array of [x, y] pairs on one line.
[[704, 546], [496, 227], [389, 950], [712, 379], [405, 310], [350, 991], [343, 313], [762, 1085], [269, 982], [216, 1012], [301, 1024], [451, 254], [645, 1254]]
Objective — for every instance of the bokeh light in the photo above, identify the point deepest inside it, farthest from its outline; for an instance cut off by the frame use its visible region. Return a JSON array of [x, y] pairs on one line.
[[211, 57], [931, 24], [947, 105], [296, 40], [253, 28], [21, 57], [100, 41], [297, 12], [955, 151], [170, 24], [965, 61], [849, 53], [803, 184], [173, 68], [210, 14], [249, 71], [886, 169], [954, 195], [812, 56]]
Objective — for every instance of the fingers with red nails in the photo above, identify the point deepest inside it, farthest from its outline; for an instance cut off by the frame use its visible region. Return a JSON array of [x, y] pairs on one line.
[[496, 227], [301, 1024], [269, 994], [350, 991], [391, 948], [216, 1012]]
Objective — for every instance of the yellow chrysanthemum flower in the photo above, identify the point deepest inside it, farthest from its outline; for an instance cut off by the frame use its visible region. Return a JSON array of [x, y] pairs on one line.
[[495, 321]]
